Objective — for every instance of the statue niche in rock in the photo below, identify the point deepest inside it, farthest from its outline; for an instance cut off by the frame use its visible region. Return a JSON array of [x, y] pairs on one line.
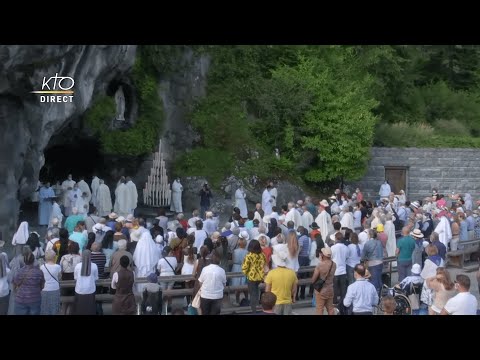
[[120, 102]]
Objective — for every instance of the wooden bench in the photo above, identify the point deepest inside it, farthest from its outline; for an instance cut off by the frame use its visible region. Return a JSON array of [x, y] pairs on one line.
[[457, 258], [228, 308]]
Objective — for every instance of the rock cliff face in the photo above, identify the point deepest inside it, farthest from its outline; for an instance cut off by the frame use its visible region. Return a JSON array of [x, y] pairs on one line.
[[26, 124]]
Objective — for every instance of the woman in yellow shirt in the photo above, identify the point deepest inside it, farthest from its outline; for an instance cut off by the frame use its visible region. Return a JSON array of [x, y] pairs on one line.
[[254, 269]]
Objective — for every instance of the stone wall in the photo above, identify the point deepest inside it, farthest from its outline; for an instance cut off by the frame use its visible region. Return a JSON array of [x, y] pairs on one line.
[[444, 169]]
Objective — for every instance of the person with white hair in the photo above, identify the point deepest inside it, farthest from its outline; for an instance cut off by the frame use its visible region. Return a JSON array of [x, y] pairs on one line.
[[226, 230], [52, 238], [51, 291], [194, 218], [209, 224], [293, 215], [56, 213]]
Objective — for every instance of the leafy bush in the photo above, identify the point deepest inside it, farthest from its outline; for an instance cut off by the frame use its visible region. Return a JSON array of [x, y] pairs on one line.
[[212, 164]]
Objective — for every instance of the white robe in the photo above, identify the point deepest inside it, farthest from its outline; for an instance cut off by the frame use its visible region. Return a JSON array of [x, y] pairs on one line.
[[291, 217], [104, 200], [324, 221], [307, 220], [444, 231], [176, 204], [266, 202], [95, 185], [241, 203], [65, 185], [385, 191], [274, 194], [146, 256], [74, 196], [56, 213], [82, 205], [83, 186], [391, 238], [21, 236], [347, 220], [132, 197], [121, 200]]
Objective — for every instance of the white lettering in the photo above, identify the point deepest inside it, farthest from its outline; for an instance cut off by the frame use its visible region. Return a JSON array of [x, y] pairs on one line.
[[42, 98], [52, 98], [45, 84], [62, 79]]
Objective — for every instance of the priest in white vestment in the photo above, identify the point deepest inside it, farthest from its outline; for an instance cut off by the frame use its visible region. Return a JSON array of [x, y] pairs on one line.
[[83, 186], [267, 201], [291, 216], [56, 213], [324, 221], [121, 200], [273, 194], [176, 203], [67, 185], [74, 195], [307, 218], [94, 186], [240, 201], [104, 200], [132, 196], [385, 190]]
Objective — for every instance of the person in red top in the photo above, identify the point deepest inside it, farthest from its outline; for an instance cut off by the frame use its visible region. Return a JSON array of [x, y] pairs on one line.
[[267, 250], [315, 230], [182, 221]]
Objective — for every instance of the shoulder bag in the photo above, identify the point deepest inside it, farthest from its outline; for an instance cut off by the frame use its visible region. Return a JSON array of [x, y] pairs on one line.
[[318, 285]]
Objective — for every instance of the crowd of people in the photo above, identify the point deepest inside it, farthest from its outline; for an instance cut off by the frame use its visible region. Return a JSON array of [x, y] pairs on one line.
[[345, 238]]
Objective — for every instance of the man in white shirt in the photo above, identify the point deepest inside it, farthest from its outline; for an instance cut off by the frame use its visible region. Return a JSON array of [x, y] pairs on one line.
[[212, 280], [363, 237], [464, 303], [340, 282], [361, 294]]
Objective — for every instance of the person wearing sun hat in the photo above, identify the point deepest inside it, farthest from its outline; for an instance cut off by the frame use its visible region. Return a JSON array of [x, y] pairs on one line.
[[325, 270], [282, 281], [417, 255]]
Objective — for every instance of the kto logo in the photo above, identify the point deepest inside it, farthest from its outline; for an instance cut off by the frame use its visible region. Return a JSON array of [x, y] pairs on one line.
[[58, 87]]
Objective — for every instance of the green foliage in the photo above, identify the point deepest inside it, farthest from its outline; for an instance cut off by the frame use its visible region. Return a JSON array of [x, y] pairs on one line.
[[222, 123], [142, 137], [421, 136], [100, 115], [323, 106], [451, 128], [213, 164]]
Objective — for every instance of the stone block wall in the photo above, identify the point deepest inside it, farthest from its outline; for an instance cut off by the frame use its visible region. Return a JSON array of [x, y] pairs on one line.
[[444, 169]]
